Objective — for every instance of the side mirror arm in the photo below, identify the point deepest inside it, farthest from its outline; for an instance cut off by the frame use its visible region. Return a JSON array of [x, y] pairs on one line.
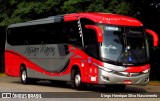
[[98, 32], [154, 35]]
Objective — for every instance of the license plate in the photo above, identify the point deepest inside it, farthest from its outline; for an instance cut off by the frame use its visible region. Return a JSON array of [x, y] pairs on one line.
[[93, 78], [127, 82]]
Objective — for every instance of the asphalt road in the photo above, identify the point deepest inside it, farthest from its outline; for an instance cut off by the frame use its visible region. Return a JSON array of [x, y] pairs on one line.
[[13, 84]]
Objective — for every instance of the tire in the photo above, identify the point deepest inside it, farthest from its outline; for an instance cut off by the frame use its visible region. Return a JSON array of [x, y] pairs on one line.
[[76, 79], [23, 76]]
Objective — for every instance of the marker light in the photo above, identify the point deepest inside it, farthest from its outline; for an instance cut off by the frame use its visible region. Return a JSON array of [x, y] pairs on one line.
[[146, 71], [105, 69]]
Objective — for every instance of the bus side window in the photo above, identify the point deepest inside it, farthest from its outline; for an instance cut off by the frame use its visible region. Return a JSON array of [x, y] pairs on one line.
[[71, 34], [90, 43]]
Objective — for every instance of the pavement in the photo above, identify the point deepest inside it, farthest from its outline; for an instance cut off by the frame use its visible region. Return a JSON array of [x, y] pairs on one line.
[[13, 84]]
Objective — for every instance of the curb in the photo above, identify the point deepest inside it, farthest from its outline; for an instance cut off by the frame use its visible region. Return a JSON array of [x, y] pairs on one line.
[[2, 75], [154, 83]]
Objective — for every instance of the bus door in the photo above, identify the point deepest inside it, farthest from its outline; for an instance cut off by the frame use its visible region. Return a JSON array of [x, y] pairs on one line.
[[91, 49]]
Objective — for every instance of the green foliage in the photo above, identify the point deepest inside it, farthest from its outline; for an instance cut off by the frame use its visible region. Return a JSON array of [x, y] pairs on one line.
[[119, 7], [13, 11], [23, 10], [98, 6], [72, 6], [107, 6]]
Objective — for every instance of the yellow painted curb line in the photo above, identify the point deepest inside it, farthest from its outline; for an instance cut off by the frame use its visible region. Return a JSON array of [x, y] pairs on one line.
[[2, 75], [154, 83]]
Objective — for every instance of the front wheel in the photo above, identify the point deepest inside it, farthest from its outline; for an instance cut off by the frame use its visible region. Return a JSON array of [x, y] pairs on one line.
[[23, 76], [76, 79]]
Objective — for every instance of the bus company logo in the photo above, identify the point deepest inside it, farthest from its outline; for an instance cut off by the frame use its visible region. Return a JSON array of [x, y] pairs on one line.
[[129, 74], [43, 49], [6, 95]]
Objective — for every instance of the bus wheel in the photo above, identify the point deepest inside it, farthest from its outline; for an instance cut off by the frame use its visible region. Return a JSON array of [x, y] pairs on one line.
[[23, 76], [76, 79]]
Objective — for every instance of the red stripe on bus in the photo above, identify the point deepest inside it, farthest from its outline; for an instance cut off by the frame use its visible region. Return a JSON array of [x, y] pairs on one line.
[[13, 60]]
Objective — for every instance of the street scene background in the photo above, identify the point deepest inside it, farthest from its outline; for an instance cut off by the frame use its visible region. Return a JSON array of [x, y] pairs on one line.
[[15, 11], [147, 11]]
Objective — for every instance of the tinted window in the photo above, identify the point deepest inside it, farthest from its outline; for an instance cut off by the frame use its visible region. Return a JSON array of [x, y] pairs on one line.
[[36, 34], [63, 33], [71, 34], [90, 43]]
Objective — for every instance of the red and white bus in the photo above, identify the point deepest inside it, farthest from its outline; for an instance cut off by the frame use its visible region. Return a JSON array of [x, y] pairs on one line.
[[84, 48]]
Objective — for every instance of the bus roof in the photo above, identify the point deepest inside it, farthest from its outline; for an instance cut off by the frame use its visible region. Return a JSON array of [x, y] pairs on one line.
[[105, 18], [51, 19]]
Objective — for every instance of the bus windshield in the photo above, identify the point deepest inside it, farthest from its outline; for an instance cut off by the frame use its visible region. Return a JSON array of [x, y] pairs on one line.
[[126, 45]]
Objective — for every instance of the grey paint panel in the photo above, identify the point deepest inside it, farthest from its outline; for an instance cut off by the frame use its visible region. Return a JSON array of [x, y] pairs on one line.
[[51, 65], [36, 51], [52, 19], [50, 57], [114, 67], [38, 75]]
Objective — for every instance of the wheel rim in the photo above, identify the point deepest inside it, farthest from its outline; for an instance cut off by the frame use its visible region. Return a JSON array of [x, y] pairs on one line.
[[24, 75], [77, 80]]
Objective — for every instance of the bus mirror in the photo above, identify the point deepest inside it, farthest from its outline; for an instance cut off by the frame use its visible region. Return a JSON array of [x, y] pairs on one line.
[[154, 35], [98, 31]]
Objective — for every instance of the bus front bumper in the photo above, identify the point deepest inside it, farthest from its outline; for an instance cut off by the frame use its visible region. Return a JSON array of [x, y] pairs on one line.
[[119, 78]]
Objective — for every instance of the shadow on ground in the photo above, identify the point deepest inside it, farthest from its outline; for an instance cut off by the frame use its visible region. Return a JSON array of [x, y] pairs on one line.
[[88, 88]]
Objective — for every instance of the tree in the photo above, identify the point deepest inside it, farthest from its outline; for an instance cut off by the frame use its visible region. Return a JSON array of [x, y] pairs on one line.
[[106, 6], [7, 8], [14, 11]]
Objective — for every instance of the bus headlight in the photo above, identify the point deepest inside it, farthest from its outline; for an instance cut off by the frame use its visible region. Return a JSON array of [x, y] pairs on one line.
[[146, 71], [105, 69]]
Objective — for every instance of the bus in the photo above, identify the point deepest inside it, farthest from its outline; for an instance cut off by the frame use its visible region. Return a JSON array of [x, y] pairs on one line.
[[82, 48]]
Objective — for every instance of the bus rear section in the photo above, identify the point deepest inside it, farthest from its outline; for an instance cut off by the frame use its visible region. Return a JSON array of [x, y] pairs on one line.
[[82, 48]]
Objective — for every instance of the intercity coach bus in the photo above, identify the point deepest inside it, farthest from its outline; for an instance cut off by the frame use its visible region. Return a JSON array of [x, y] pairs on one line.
[[81, 48]]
